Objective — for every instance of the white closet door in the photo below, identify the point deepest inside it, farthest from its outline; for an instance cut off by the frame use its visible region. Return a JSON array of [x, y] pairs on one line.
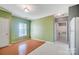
[[72, 35], [4, 32], [77, 35]]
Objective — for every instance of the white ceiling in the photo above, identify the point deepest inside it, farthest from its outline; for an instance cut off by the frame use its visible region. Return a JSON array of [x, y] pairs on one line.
[[37, 10]]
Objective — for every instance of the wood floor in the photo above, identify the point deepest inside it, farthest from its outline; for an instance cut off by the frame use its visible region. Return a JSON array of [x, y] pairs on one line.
[[21, 48]]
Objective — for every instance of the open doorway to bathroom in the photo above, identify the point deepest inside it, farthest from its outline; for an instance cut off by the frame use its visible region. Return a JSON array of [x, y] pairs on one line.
[[61, 29]]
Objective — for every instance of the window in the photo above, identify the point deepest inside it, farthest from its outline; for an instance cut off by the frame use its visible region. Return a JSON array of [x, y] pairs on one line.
[[22, 29]]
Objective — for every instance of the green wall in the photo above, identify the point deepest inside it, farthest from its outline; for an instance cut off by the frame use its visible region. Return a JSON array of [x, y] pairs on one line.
[[14, 28], [1, 8], [43, 29], [5, 14]]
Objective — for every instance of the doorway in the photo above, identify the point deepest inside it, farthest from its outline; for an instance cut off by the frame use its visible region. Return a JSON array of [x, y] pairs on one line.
[[61, 29]]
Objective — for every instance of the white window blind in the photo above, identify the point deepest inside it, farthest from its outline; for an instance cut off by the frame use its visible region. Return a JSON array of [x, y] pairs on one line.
[[22, 29]]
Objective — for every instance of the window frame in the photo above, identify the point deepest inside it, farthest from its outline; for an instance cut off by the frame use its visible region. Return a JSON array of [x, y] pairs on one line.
[[22, 29]]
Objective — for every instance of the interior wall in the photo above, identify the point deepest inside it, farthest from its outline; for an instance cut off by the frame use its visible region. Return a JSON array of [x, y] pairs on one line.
[[5, 14], [14, 29], [43, 29]]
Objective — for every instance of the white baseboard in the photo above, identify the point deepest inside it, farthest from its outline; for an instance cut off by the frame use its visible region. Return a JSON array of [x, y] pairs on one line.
[[42, 40]]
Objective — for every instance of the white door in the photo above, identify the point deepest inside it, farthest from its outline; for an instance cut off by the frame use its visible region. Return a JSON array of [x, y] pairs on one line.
[[77, 36], [72, 35], [4, 32]]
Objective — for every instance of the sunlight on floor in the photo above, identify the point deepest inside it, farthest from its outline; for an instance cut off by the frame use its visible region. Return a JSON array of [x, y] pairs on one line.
[[50, 48], [22, 49]]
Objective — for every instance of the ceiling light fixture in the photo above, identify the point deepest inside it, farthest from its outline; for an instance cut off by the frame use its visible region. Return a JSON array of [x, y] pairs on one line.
[[26, 9], [59, 14]]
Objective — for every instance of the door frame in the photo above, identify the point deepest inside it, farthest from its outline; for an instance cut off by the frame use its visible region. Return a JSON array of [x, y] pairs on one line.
[[8, 28], [55, 32]]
